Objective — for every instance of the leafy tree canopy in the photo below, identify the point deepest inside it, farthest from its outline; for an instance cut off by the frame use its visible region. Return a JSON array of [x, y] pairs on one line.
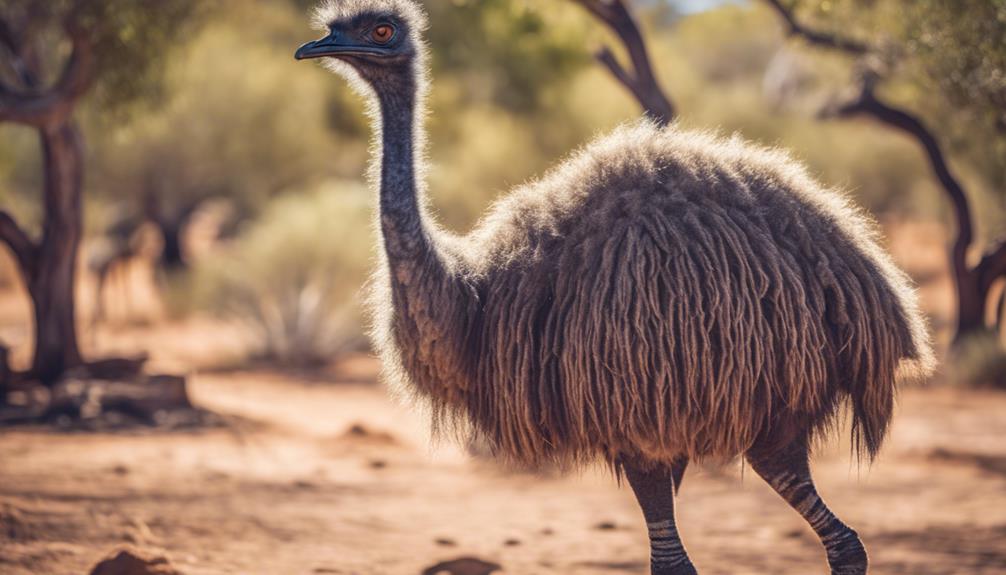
[[944, 58], [127, 39]]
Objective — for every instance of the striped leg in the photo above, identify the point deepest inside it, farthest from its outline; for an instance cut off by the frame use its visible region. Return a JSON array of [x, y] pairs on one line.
[[788, 472], [654, 489]]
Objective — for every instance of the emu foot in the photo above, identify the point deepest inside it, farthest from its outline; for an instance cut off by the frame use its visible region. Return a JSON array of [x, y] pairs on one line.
[[846, 555], [683, 568]]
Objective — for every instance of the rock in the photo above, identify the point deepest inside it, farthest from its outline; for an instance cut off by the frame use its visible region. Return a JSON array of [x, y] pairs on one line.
[[463, 566], [362, 435], [360, 431], [132, 561]]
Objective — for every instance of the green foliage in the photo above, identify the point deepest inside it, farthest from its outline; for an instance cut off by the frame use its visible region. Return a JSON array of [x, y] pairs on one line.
[[717, 64], [241, 124], [958, 53], [132, 39], [293, 275], [510, 50], [127, 38], [962, 48], [945, 59]]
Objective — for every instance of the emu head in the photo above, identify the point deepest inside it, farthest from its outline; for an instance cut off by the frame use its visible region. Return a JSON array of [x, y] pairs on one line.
[[377, 41]]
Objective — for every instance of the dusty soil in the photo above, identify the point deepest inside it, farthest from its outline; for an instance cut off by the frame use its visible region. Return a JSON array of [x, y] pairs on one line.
[[315, 477]]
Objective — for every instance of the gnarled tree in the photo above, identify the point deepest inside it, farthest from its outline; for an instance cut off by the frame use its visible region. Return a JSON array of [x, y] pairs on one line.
[[959, 52], [110, 45]]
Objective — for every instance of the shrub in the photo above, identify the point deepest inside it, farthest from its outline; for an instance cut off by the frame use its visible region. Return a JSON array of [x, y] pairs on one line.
[[294, 274]]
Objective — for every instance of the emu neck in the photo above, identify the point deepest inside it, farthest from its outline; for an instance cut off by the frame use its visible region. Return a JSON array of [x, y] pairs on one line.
[[402, 226], [431, 303]]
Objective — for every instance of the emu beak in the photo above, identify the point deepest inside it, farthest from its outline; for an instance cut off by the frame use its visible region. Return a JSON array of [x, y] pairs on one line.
[[327, 46], [334, 45]]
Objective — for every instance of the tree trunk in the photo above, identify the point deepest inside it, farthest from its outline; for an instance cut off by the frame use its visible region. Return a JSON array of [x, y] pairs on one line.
[[4, 373], [52, 284], [172, 255], [971, 300]]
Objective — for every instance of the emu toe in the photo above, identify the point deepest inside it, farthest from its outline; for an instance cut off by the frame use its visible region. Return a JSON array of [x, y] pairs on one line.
[[846, 554], [682, 568]]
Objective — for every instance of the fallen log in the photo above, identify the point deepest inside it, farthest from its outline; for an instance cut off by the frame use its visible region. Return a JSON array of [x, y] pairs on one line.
[[142, 397], [78, 400]]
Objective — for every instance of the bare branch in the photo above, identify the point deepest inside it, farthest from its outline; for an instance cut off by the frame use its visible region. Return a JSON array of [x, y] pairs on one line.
[[23, 248], [606, 57], [640, 80], [867, 104], [817, 38], [992, 265]]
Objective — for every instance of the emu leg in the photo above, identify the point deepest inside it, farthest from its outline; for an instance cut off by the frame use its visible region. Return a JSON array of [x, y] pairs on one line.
[[788, 472], [654, 489]]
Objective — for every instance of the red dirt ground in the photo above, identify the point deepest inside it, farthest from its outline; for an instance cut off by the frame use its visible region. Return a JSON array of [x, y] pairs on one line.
[[291, 488]]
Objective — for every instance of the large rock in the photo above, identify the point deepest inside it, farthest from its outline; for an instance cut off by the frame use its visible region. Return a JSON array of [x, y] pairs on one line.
[[131, 561]]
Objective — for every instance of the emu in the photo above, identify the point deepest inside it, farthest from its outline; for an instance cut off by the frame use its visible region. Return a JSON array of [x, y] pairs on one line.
[[662, 296]]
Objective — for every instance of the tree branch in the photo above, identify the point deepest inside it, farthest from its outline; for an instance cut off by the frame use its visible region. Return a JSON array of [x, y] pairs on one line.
[[868, 104], [23, 248], [992, 265], [607, 58], [52, 106], [21, 63], [641, 80], [973, 283], [817, 38]]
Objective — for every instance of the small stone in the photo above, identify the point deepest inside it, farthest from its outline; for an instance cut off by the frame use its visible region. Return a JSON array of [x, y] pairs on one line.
[[463, 566], [131, 561]]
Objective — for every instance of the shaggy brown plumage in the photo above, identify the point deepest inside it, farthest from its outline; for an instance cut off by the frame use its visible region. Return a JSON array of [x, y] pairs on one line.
[[667, 293]]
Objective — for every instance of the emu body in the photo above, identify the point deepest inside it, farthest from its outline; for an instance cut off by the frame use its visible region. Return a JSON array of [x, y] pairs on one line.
[[667, 294], [660, 297]]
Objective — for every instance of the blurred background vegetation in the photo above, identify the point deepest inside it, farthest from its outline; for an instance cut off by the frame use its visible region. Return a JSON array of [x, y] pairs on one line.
[[262, 159]]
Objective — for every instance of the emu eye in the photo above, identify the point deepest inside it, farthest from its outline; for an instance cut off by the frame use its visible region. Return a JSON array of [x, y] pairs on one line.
[[382, 34]]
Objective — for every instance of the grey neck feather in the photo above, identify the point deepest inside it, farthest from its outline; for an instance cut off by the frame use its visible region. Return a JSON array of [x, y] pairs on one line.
[[405, 235]]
